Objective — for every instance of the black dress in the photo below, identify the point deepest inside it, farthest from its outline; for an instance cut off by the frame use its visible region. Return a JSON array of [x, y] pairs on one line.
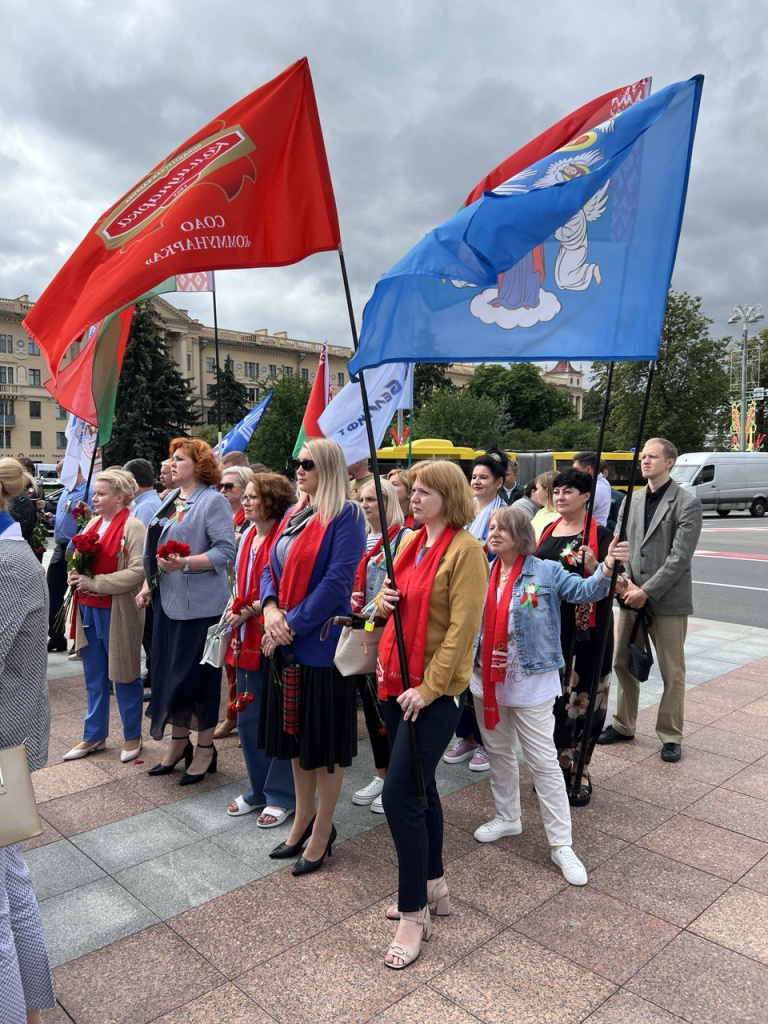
[[570, 708]]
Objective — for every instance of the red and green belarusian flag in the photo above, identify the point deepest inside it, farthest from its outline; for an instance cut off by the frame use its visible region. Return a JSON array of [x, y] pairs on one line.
[[319, 397]]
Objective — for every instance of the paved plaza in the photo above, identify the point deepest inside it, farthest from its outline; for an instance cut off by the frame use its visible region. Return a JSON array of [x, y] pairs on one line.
[[158, 906]]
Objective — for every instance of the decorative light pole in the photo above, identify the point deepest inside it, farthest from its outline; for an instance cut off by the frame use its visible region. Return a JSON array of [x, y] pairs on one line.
[[747, 315]]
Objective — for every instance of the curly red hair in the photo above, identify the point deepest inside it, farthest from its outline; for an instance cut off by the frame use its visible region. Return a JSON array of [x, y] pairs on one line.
[[207, 470]]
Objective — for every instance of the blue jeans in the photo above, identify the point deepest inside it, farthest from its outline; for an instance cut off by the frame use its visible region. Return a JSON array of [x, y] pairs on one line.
[[271, 780], [95, 656], [417, 833]]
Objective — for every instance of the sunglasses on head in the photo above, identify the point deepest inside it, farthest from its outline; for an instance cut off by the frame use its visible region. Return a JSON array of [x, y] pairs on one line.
[[305, 464], [226, 487]]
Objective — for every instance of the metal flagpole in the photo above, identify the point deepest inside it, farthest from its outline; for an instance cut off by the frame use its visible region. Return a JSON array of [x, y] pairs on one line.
[[603, 644], [402, 656], [218, 368], [93, 463]]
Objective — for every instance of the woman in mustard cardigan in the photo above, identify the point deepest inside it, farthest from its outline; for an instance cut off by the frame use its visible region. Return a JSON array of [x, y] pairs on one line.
[[441, 573]]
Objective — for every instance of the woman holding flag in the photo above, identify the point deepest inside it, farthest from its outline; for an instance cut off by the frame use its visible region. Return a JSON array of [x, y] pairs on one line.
[[581, 624], [308, 712], [516, 678], [440, 575], [266, 499], [369, 578]]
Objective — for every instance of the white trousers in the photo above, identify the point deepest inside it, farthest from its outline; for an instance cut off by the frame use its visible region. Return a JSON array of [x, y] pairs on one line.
[[534, 728]]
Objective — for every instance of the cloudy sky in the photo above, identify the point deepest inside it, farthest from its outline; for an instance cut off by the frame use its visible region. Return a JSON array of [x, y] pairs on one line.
[[418, 100]]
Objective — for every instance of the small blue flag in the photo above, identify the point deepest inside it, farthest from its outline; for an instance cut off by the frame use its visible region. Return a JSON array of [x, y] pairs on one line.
[[239, 436], [570, 259]]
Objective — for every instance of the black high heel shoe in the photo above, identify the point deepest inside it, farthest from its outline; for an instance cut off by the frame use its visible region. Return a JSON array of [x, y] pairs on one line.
[[187, 753], [189, 780], [284, 850], [304, 866]]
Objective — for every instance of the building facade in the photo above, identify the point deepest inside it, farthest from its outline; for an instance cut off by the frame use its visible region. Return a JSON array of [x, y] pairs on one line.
[[565, 375]]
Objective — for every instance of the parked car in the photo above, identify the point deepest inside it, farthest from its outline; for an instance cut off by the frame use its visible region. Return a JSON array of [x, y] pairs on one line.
[[724, 481]]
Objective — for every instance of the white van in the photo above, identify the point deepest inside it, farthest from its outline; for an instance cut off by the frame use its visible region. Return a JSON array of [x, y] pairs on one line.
[[725, 480]]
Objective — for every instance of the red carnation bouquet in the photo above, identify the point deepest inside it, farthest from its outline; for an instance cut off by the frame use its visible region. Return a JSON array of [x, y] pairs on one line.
[[171, 547], [86, 548]]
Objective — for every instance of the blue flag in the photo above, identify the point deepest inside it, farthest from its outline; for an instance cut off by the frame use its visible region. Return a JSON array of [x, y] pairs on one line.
[[238, 437], [570, 259]]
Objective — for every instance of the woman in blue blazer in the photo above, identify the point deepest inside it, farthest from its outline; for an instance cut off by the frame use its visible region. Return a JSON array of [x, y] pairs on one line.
[[309, 581]]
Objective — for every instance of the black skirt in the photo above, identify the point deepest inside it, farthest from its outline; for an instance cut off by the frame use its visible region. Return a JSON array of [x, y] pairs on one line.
[[184, 692], [327, 733]]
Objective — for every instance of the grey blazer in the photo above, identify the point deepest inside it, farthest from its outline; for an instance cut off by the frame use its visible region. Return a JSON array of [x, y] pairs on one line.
[[660, 560], [207, 527]]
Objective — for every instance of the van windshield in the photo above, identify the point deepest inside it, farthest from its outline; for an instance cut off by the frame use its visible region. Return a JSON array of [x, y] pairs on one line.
[[684, 474]]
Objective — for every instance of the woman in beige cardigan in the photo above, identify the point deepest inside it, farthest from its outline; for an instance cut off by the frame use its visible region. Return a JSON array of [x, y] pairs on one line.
[[109, 626]]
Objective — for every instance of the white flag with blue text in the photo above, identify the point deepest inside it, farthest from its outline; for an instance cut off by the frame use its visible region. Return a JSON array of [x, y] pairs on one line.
[[389, 387]]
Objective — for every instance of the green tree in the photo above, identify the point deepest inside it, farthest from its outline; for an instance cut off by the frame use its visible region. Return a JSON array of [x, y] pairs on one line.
[[234, 396], [154, 402], [460, 417], [525, 400], [689, 401], [428, 380], [273, 440]]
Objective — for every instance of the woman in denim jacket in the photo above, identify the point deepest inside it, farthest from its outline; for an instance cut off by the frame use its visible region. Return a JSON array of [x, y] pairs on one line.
[[516, 678]]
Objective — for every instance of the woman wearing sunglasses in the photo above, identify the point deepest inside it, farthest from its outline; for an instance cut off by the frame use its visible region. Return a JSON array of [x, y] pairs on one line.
[[308, 581], [233, 483]]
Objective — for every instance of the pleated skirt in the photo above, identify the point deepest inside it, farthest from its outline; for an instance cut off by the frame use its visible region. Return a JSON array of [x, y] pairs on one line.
[[327, 734]]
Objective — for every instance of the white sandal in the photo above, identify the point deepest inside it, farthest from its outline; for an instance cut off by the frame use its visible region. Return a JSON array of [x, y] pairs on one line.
[[243, 807], [278, 813], [410, 953]]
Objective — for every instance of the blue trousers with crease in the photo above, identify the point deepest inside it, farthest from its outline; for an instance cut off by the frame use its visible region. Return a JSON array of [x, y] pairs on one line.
[[271, 780], [130, 696]]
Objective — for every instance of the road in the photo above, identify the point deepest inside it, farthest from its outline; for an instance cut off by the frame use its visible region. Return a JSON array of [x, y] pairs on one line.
[[730, 570]]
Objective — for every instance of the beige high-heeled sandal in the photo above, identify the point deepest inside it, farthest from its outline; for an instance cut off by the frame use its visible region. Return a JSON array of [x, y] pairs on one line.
[[438, 895], [408, 954]]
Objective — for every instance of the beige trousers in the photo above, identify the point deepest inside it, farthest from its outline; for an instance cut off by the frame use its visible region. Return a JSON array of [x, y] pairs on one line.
[[667, 634]]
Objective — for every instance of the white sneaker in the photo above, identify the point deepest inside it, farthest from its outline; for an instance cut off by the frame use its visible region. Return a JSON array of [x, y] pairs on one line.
[[498, 827], [572, 868], [377, 806], [365, 796]]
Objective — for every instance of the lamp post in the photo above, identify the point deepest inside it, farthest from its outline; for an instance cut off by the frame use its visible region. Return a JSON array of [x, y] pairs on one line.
[[747, 315]]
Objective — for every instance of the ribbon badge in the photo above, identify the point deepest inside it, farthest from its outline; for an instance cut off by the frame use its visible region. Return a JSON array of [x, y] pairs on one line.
[[528, 599], [569, 553]]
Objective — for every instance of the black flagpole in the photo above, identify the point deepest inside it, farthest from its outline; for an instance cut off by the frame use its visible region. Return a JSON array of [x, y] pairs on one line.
[[93, 463], [403, 658], [603, 644], [218, 368]]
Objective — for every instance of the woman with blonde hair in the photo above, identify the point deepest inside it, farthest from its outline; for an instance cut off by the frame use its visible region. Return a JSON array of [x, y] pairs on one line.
[[191, 594], [108, 624], [401, 481], [440, 575], [544, 497], [308, 709]]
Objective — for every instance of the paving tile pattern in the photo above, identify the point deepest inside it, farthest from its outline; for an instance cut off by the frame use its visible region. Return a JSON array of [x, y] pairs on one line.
[[160, 907]]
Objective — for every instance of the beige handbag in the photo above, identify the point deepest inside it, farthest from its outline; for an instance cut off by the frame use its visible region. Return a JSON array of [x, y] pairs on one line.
[[19, 819], [358, 645]]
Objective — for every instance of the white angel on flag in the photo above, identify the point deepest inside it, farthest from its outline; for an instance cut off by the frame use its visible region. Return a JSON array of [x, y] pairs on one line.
[[572, 272]]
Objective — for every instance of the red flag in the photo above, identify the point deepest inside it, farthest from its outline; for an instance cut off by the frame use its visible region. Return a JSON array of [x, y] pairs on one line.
[[319, 397], [250, 189], [592, 113]]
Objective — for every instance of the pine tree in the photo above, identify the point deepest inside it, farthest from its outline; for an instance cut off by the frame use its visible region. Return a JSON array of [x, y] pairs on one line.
[[234, 396], [154, 402]]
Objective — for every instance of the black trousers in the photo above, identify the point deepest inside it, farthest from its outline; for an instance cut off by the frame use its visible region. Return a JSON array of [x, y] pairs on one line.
[[417, 833], [56, 578], [366, 686]]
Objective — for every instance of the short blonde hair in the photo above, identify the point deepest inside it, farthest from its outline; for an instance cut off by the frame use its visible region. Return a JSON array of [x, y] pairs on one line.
[[547, 481], [13, 479], [243, 474], [395, 515], [450, 483], [121, 482], [517, 524], [332, 478]]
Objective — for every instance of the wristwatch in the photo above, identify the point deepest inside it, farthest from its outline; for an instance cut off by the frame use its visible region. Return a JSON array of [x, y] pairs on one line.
[[186, 565]]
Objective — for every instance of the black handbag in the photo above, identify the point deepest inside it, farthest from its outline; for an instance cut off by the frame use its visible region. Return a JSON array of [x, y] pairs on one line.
[[639, 655]]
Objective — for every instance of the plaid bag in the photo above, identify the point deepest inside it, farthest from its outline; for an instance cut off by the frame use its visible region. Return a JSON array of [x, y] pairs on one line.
[[291, 680]]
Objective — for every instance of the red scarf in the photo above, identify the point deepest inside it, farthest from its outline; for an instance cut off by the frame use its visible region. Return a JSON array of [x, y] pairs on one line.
[[410, 522], [238, 518], [414, 581], [248, 589], [106, 557], [592, 543], [358, 588], [495, 645], [299, 563]]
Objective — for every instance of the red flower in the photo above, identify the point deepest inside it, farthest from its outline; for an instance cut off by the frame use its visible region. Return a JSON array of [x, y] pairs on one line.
[[173, 547], [382, 730], [86, 543]]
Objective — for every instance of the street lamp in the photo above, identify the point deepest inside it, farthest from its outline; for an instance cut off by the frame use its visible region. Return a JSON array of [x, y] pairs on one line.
[[747, 315]]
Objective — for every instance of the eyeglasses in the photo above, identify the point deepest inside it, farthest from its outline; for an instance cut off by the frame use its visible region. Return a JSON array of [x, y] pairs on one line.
[[246, 499], [226, 487], [305, 464]]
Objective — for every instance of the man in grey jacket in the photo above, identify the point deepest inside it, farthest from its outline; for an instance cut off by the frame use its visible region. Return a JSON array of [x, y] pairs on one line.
[[663, 530]]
